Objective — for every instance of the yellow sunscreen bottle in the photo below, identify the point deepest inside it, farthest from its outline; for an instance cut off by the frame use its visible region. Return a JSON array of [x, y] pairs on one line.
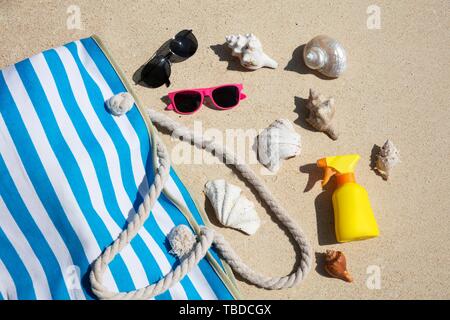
[[353, 215]]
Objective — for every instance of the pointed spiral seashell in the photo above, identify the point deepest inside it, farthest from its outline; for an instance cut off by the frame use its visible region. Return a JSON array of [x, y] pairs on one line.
[[325, 55], [232, 208], [387, 159], [321, 113], [336, 265]]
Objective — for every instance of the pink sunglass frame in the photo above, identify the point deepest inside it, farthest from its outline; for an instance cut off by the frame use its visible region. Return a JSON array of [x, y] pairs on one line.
[[205, 92]]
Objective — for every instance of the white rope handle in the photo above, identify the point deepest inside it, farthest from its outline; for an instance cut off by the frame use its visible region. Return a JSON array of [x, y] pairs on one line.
[[208, 236]]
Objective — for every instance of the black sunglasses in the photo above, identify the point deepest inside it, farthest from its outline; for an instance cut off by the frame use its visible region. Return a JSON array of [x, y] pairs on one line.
[[157, 71]]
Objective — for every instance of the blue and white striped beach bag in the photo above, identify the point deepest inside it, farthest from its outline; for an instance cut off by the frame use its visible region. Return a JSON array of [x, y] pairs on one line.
[[71, 174]]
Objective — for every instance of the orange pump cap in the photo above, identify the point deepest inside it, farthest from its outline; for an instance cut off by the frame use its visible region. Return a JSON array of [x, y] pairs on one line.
[[327, 172], [341, 166]]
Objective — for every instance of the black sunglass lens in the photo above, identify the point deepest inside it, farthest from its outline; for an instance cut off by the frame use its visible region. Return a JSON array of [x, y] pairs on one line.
[[184, 44], [187, 101], [226, 97], [156, 72]]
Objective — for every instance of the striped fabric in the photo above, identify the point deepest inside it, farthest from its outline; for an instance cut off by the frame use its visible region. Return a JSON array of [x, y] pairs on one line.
[[71, 174]]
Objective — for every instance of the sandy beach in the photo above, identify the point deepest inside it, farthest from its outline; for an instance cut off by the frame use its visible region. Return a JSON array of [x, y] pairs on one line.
[[397, 86]]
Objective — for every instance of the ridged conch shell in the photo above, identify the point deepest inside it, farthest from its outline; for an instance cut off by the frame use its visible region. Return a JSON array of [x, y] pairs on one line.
[[249, 50], [277, 142], [321, 113], [120, 103], [388, 158], [325, 55], [232, 208]]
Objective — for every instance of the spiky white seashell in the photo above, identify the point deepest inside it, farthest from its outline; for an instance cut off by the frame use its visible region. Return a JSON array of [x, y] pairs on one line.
[[120, 103], [388, 158], [231, 207], [249, 50], [277, 142]]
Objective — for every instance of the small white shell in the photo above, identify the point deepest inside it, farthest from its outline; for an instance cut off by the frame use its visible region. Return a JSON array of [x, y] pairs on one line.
[[277, 142], [388, 158], [325, 55], [249, 50], [231, 207], [120, 103]]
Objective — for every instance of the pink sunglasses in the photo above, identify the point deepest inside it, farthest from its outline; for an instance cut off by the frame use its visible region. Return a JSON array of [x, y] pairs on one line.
[[189, 101]]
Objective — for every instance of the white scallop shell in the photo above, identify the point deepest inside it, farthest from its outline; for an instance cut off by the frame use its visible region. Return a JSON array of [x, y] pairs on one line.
[[325, 55], [249, 50], [232, 208], [277, 142], [120, 103]]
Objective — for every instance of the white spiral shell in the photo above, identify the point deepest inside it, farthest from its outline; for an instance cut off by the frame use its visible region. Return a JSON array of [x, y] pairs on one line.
[[232, 208], [277, 142], [325, 55]]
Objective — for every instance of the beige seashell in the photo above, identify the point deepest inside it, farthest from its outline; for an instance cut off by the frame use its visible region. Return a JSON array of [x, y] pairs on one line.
[[249, 50], [321, 113], [388, 158], [325, 55], [120, 103], [232, 208], [277, 142]]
